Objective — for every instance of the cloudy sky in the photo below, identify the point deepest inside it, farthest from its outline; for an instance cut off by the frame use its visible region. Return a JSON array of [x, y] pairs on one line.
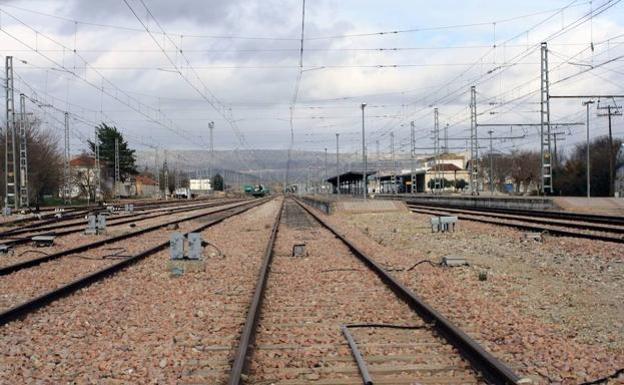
[[161, 70]]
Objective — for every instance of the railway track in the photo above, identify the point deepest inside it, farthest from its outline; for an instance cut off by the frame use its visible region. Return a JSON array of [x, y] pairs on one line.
[[24, 235], [39, 301], [19, 262], [550, 222], [337, 317], [257, 315], [47, 220]]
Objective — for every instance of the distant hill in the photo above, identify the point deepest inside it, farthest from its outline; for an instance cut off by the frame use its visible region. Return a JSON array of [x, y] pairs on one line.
[[268, 165]]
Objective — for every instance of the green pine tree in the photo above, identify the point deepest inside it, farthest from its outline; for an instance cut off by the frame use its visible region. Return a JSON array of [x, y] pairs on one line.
[[106, 136]]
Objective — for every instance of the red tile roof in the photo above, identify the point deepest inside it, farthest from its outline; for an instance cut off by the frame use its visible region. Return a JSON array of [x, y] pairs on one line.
[[82, 161], [146, 180], [446, 167]]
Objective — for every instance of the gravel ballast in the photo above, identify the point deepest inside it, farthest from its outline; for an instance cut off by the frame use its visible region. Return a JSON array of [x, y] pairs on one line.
[[299, 338], [145, 325], [552, 309]]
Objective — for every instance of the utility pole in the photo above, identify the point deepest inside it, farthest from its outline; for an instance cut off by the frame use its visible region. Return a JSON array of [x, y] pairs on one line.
[[23, 146], [437, 182], [587, 104], [490, 132], [157, 167], [555, 153], [66, 168], [364, 160], [474, 143], [211, 127], [10, 170], [545, 147], [446, 127], [394, 190], [412, 156], [589, 100], [325, 179], [378, 167], [338, 163], [117, 174], [611, 111], [166, 176], [98, 170]]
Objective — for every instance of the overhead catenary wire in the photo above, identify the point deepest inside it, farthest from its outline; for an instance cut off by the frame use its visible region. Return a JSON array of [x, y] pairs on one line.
[[205, 93], [505, 103]]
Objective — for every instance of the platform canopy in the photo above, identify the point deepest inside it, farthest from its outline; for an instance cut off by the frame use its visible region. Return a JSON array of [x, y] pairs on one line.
[[349, 176], [350, 182]]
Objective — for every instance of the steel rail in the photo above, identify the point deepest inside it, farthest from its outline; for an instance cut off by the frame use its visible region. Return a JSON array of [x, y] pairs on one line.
[[357, 355], [592, 218], [521, 217], [37, 261], [39, 302], [122, 220], [74, 213], [527, 227], [248, 335], [36, 222], [492, 370]]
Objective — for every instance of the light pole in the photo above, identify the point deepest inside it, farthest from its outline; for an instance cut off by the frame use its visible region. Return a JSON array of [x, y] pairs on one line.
[[364, 174], [491, 165], [325, 179], [211, 127], [586, 104], [412, 156], [338, 163]]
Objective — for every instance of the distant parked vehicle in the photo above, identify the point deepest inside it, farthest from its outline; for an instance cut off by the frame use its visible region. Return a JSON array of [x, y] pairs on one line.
[[257, 191]]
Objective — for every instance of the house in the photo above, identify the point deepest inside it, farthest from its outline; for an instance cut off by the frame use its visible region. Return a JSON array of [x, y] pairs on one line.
[[450, 173], [83, 176], [146, 186], [449, 167], [200, 186]]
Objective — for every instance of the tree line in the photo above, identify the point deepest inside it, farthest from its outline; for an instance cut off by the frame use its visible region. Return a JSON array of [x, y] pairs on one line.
[[523, 169]]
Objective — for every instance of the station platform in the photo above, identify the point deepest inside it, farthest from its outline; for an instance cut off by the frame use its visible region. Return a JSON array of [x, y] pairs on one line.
[[604, 206]]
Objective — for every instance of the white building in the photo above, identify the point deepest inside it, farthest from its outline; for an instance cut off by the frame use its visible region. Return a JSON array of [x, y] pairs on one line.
[[200, 186]]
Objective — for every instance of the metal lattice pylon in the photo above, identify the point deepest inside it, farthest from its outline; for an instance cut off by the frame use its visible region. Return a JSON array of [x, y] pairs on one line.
[[98, 170], [10, 168], [117, 173], [157, 167], [474, 143], [545, 150], [66, 169], [394, 164], [23, 154]]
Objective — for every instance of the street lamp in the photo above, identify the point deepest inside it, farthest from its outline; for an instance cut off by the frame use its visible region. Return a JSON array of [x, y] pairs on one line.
[[364, 176], [337, 163], [586, 104]]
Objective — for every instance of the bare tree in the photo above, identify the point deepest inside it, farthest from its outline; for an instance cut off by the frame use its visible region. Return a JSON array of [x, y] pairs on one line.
[[45, 162], [525, 169], [84, 175]]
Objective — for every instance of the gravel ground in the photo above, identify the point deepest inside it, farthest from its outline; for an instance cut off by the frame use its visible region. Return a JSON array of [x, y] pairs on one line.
[[138, 210], [24, 284], [145, 326], [542, 224], [299, 339], [553, 309], [26, 252], [80, 222]]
